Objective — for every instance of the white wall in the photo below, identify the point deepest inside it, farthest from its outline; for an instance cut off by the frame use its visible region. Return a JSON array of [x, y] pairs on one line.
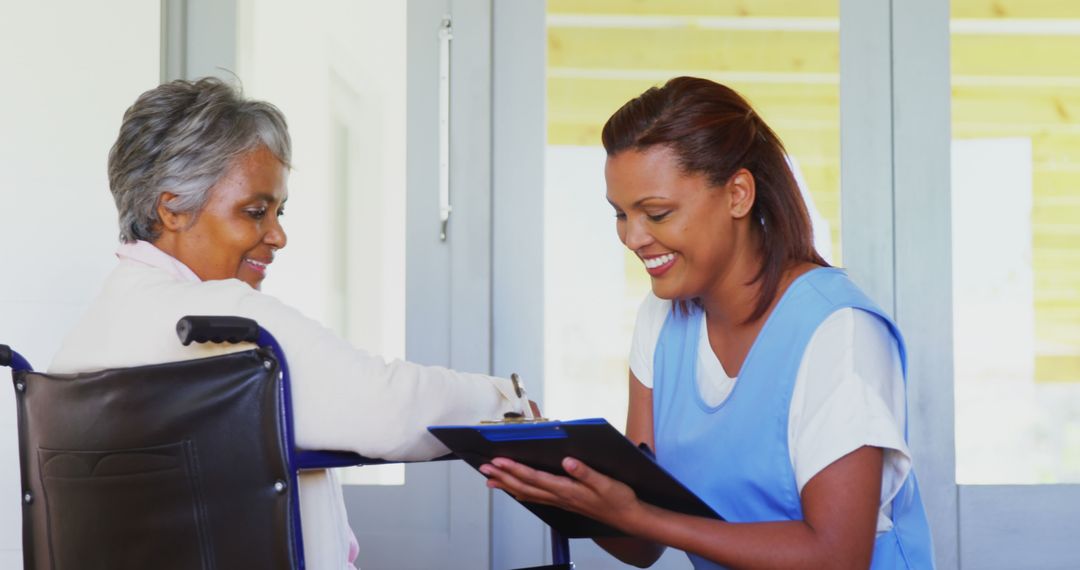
[[70, 69], [336, 67]]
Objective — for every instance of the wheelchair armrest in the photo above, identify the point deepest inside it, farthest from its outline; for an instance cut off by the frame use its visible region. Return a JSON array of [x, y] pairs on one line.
[[304, 459], [233, 330], [9, 357]]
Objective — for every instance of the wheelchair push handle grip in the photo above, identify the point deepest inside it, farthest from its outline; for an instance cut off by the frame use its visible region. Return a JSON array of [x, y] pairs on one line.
[[5, 355], [216, 329]]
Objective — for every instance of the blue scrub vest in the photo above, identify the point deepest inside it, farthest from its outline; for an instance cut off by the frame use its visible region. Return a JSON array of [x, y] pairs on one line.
[[735, 455]]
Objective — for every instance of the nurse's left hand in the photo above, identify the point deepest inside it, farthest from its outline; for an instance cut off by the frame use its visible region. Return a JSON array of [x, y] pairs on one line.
[[586, 491]]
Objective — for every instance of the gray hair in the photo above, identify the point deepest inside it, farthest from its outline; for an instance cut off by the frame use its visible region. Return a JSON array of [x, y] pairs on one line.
[[181, 137]]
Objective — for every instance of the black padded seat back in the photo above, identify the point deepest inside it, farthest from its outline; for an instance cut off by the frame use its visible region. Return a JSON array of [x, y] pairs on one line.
[[173, 466]]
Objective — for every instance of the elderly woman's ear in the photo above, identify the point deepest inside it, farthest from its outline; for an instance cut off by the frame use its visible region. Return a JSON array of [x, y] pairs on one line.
[[170, 220]]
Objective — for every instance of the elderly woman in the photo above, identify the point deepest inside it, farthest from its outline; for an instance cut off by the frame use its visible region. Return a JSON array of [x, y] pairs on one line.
[[199, 177]]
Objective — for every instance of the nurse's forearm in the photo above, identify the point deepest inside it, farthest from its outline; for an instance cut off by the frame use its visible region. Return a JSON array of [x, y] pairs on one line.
[[786, 544], [839, 520], [640, 553]]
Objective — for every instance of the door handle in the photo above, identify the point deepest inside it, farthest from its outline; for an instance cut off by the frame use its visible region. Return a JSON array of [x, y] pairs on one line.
[[446, 33]]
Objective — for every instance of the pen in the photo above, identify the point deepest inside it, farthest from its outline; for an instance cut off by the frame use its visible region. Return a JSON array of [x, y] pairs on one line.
[[517, 385]]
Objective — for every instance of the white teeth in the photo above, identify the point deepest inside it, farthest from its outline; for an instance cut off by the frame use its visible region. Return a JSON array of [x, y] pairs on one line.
[[256, 263], [654, 262]]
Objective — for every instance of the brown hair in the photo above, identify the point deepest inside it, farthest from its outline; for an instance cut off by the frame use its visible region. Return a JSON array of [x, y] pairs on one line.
[[714, 131]]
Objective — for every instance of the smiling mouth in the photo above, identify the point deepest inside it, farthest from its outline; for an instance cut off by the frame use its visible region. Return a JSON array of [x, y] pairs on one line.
[[658, 261], [259, 266], [659, 265]]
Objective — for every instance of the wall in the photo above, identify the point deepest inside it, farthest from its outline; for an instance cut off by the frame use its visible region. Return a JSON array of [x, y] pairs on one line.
[[70, 71], [345, 262]]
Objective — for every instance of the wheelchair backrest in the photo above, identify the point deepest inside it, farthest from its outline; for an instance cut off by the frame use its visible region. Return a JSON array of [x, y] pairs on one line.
[[180, 465]]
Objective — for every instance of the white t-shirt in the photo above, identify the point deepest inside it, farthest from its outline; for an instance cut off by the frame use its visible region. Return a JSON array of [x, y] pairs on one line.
[[849, 392]]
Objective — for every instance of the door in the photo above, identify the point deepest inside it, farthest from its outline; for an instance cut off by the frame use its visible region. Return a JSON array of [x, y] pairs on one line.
[[1015, 225], [973, 236]]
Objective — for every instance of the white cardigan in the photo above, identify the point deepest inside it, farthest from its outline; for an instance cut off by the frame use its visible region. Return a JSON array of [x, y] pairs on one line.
[[343, 398]]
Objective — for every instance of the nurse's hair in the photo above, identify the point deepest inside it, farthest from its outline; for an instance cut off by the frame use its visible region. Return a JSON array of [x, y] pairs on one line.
[[181, 137], [715, 132]]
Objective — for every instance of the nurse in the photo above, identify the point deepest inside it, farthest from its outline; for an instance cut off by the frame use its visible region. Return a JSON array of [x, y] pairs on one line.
[[764, 379]]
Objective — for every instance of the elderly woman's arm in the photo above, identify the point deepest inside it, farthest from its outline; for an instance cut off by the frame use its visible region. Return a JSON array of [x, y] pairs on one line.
[[345, 398]]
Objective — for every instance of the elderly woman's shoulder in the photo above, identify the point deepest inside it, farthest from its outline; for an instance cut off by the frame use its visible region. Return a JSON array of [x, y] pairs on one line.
[[134, 278], [138, 292]]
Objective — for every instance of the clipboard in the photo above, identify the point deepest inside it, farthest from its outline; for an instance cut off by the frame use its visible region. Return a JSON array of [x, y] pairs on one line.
[[543, 445]]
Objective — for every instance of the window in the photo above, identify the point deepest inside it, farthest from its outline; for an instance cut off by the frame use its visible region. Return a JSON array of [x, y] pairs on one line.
[[1016, 241]]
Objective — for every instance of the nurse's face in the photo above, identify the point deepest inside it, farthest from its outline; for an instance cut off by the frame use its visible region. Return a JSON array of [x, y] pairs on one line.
[[682, 228], [238, 231]]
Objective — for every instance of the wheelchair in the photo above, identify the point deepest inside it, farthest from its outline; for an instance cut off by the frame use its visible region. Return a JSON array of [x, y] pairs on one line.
[[173, 493]]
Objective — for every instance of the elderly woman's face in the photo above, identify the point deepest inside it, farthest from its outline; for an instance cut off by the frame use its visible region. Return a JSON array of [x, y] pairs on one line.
[[237, 232]]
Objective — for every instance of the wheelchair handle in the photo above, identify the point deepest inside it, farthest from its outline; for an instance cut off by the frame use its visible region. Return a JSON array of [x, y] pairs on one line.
[[233, 330], [5, 355]]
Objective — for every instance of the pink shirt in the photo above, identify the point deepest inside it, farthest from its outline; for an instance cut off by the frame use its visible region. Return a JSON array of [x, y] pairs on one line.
[[148, 254]]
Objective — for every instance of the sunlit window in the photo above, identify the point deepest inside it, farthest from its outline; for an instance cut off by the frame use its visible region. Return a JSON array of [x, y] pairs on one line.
[[1016, 234]]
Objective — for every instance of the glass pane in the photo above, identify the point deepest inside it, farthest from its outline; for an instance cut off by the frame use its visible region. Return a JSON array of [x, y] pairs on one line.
[[343, 93], [782, 56], [1016, 240]]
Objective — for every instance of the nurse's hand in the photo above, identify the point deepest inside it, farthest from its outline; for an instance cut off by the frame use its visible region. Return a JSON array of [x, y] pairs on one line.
[[586, 491]]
